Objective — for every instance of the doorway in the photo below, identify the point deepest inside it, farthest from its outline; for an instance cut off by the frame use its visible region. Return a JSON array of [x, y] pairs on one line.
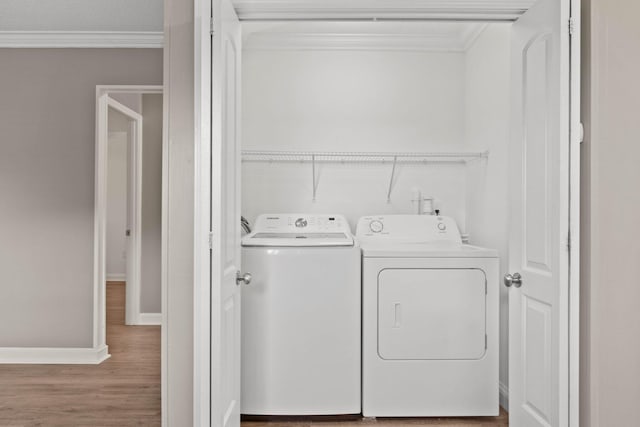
[[566, 113], [128, 208]]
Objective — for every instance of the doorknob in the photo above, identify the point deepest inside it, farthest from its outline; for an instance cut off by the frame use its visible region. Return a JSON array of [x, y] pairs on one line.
[[515, 280], [243, 278]]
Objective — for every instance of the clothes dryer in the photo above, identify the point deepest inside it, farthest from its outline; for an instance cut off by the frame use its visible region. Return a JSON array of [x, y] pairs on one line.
[[430, 319]]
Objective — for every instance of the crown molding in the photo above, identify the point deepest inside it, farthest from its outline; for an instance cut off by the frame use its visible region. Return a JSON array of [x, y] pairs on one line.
[[81, 39], [426, 42], [488, 10]]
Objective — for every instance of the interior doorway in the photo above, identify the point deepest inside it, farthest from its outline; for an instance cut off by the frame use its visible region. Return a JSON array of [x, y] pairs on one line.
[[128, 206]]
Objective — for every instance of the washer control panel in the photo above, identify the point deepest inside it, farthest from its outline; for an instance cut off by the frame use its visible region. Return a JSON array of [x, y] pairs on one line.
[[376, 226], [301, 223], [408, 228]]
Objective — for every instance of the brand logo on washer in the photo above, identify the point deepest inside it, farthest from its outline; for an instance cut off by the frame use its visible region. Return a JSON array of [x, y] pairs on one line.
[[301, 222]]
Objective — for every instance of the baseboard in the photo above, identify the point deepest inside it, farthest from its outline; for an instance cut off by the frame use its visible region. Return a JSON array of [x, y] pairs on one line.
[[504, 396], [116, 277], [150, 319], [54, 356]]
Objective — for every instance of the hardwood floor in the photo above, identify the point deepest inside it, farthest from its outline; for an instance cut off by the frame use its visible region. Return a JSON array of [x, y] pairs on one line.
[[500, 421], [122, 391], [125, 390]]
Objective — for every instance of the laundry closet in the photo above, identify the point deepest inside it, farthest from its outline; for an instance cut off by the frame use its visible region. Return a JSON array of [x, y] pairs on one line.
[[380, 118], [443, 154]]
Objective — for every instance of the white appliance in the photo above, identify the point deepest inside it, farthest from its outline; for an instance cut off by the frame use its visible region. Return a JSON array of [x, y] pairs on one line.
[[430, 319], [301, 317]]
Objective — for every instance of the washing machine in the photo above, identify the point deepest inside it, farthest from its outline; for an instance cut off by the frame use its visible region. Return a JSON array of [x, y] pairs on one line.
[[430, 319], [301, 317]]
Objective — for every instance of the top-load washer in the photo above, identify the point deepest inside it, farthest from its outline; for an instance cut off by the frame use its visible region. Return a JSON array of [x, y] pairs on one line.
[[430, 319], [301, 317]]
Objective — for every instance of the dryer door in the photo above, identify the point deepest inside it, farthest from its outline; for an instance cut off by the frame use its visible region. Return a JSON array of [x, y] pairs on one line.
[[431, 314]]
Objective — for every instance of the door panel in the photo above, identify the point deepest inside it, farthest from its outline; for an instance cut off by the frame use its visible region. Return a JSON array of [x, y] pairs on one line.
[[538, 391], [536, 122], [539, 193], [225, 216]]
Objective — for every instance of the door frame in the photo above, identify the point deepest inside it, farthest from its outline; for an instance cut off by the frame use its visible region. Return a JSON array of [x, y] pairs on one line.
[[575, 141], [103, 103], [202, 104], [203, 24]]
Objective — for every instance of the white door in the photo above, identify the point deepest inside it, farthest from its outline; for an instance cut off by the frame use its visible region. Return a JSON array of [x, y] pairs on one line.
[[539, 230], [225, 216]]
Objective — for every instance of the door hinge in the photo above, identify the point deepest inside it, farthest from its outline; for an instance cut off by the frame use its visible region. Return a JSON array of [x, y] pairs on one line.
[[210, 239], [211, 30], [581, 130], [572, 26], [486, 342], [569, 241]]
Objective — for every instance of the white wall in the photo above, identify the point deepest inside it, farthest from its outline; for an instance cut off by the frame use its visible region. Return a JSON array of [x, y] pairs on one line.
[[352, 101], [487, 127], [117, 206]]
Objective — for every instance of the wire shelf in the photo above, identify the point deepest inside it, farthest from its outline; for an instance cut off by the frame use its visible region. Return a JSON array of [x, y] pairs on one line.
[[315, 158], [360, 157]]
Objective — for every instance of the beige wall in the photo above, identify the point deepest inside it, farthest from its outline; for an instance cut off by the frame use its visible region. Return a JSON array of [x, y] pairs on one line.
[[116, 239], [611, 245], [178, 298], [151, 232], [47, 118]]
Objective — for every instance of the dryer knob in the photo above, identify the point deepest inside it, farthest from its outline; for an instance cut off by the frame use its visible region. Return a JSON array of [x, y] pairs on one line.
[[376, 226]]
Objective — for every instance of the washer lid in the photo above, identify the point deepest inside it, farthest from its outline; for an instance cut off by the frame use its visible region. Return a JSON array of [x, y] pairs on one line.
[[298, 230]]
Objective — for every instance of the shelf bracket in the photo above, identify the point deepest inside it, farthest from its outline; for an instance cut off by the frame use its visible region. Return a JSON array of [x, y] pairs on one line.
[[393, 173]]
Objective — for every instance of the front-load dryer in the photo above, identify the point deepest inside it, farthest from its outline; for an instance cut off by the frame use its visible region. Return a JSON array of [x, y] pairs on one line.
[[430, 319], [301, 317]]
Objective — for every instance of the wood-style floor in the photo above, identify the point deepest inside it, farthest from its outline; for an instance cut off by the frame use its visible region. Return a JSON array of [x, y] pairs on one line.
[[500, 421], [125, 390], [122, 391]]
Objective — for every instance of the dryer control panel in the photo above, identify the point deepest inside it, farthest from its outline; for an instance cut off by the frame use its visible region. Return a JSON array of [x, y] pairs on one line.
[[408, 229]]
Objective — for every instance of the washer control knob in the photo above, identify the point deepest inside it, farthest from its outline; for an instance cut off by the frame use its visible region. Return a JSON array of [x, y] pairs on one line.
[[376, 226], [442, 226], [301, 222]]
